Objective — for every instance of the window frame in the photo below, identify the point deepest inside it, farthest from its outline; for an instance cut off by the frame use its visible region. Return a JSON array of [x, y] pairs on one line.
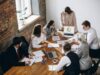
[[23, 22]]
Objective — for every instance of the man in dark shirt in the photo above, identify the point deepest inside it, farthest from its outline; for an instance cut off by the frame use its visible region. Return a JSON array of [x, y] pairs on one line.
[[11, 57]]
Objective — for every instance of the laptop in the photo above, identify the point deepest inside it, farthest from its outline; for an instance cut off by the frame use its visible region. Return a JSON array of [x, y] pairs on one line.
[[68, 31]]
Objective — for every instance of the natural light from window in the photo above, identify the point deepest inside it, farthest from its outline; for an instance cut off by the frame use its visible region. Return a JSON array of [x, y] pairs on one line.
[[27, 11]]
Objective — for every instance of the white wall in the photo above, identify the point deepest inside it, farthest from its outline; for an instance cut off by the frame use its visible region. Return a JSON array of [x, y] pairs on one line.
[[84, 10]]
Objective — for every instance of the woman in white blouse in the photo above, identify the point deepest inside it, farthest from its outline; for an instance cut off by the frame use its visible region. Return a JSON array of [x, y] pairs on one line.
[[38, 37]]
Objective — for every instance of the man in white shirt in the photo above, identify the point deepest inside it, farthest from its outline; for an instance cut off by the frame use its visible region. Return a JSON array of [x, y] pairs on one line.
[[92, 39], [69, 62]]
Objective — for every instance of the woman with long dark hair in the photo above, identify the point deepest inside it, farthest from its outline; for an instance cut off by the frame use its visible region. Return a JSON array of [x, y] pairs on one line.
[[38, 37]]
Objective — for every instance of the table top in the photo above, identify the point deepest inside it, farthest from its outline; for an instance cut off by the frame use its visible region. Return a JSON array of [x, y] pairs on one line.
[[37, 68]]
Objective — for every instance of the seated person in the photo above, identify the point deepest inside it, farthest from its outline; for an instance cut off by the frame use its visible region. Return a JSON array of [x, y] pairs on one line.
[[70, 62], [24, 47], [38, 37], [81, 48], [49, 29], [92, 39], [11, 57]]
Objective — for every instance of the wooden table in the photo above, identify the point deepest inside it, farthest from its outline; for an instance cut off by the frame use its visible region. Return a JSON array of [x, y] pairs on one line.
[[37, 68]]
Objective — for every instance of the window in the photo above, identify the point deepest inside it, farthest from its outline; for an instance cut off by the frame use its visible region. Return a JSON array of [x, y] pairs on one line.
[[27, 12]]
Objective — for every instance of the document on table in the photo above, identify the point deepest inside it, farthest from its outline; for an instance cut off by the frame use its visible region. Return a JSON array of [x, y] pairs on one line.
[[55, 38], [50, 45], [62, 42], [36, 59], [38, 53], [52, 67]]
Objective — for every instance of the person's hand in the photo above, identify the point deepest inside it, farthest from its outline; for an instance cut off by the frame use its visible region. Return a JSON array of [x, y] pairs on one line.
[[44, 45], [27, 62]]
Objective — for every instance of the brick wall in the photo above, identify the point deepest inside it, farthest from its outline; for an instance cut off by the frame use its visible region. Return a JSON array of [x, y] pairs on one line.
[[8, 23]]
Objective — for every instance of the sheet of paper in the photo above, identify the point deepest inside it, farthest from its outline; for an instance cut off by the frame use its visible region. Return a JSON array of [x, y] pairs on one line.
[[50, 45], [52, 67], [55, 38], [38, 53], [62, 42], [31, 62], [37, 59]]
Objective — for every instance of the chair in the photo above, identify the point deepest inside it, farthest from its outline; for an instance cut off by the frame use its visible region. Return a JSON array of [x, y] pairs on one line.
[[92, 70]]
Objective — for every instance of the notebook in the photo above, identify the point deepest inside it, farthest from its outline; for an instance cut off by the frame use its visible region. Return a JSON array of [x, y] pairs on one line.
[[68, 31]]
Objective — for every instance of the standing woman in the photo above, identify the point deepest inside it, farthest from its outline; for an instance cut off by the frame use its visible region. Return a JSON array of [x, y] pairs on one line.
[[68, 18]]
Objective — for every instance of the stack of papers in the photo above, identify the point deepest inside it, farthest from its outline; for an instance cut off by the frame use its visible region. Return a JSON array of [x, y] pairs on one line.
[[34, 59], [52, 67]]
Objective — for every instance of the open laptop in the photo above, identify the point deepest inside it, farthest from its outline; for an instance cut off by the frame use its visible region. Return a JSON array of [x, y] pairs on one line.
[[68, 31]]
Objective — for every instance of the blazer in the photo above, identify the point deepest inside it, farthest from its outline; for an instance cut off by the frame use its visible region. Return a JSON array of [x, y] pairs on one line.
[[82, 50], [10, 58], [69, 20], [24, 50]]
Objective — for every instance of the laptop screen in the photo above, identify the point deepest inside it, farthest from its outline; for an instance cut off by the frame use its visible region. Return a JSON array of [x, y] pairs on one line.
[[69, 30]]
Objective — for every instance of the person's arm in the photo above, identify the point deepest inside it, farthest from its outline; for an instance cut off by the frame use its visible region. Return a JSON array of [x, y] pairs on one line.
[[62, 18], [90, 38], [44, 29], [74, 22], [64, 61]]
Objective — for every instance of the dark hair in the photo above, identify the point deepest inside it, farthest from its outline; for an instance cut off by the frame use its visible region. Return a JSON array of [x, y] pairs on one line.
[[86, 23], [16, 40], [37, 31], [50, 23], [68, 10], [24, 40], [67, 46]]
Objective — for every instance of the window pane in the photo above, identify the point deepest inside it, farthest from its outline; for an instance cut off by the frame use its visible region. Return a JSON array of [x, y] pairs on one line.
[[35, 7]]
